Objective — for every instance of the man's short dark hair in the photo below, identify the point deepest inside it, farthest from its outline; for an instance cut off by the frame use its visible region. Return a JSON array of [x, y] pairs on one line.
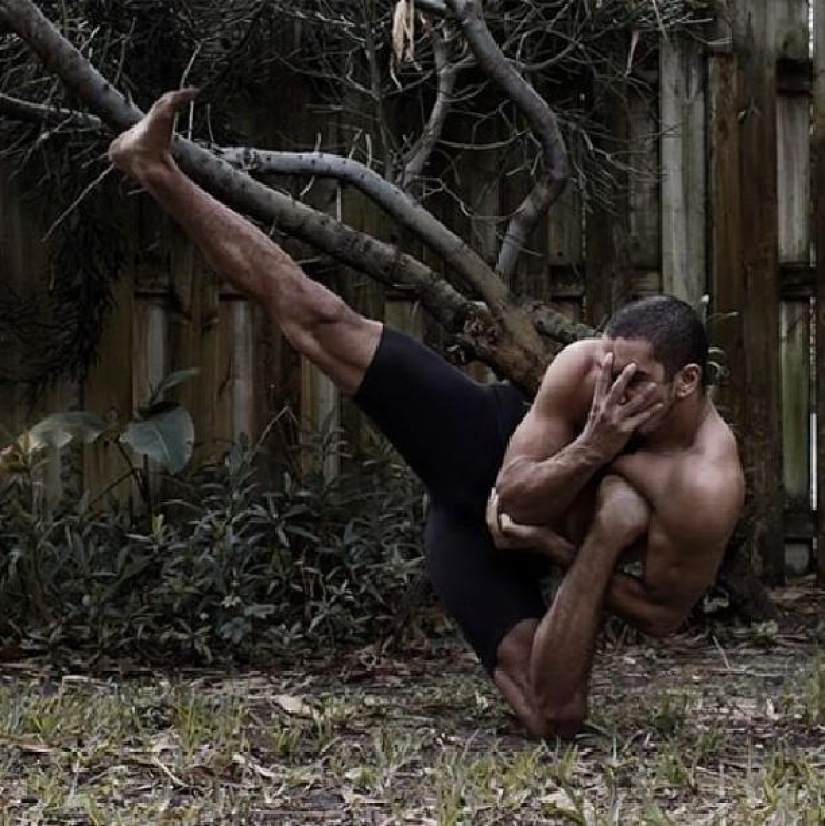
[[672, 327]]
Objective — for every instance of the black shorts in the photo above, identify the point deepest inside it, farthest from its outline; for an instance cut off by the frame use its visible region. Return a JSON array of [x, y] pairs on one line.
[[453, 432]]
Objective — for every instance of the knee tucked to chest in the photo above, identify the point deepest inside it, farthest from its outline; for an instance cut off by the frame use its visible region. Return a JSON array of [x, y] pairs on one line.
[[622, 514]]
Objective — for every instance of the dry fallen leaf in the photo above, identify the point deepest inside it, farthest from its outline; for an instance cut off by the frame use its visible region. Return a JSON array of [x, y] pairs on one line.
[[294, 706]]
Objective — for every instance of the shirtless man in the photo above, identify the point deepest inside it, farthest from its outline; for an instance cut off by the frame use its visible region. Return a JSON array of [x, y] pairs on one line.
[[621, 453]]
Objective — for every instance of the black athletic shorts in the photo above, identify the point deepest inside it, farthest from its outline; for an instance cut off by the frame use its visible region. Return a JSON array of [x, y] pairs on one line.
[[453, 432]]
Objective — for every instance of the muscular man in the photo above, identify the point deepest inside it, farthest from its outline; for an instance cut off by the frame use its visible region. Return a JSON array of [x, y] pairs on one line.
[[621, 453]]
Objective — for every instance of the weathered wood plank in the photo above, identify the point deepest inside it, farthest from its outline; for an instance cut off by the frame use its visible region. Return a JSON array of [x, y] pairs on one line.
[[819, 223], [609, 242], [727, 283], [13, 231], [792, 29], [795, 342], [208, 360], [150, 360], [794, 178], [683, 195], [242, 377], [108, 391], [645, 216], [754, 41]]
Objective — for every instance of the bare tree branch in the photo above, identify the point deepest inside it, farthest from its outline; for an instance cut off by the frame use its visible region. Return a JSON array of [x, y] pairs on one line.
[[506, 338], [48, 115], [445, 77], [541, 117], [435, 7], [461, 259]]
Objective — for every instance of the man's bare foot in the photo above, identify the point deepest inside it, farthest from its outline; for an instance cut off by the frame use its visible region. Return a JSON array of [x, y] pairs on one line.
[[148, 144]]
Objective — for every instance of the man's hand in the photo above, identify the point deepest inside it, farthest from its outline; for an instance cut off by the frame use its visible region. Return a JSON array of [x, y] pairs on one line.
[[613, 418], [510, 535]]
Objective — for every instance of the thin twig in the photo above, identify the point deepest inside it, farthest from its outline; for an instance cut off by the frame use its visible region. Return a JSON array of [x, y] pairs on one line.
[[74, 205]]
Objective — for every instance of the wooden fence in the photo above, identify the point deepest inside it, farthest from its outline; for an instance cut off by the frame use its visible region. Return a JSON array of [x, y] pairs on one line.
[[722, 202]]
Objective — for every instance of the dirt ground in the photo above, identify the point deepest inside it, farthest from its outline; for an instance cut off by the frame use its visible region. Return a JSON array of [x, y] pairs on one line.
[[722, 725]]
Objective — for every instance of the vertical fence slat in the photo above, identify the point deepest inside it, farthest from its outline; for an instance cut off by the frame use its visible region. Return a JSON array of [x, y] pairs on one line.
[[727, 285], [819, 195], [12, 273], [645, 219], [794, 175], [609, 273], [755, 40], [109, 391], [151, 349], [795, 340], [683, 196], [792, 32]]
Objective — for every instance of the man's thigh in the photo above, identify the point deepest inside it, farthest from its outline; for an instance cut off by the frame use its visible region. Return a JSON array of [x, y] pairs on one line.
[[451, 430]]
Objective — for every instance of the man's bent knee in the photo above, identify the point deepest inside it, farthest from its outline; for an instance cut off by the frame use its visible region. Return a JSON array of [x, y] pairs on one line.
[[621, 513], [336, 339]]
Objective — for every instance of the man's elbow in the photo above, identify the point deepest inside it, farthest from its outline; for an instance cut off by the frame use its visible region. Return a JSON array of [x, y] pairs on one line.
[[512, 487]]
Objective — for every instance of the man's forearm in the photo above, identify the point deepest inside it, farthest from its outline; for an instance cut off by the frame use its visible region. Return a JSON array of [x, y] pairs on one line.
[[536, 492]]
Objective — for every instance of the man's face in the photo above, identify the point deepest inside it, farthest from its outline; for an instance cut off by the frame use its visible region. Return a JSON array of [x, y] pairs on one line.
[[639, 351]]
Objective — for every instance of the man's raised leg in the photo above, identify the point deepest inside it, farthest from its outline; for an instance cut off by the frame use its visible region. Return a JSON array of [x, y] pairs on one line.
[[314, 320]]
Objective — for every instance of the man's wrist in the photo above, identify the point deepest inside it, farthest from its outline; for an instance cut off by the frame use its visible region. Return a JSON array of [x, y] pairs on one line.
[[591, 453]]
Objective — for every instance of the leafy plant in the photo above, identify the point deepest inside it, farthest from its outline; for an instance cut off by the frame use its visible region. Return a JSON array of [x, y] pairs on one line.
[[226, 567], [161, 432]]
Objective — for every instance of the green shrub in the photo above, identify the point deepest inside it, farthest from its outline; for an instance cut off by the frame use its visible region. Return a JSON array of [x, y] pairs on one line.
[[225, 566]]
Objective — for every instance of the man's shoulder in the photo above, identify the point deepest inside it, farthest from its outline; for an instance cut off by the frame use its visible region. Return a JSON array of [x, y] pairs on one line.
[[571, 366], [566, 392], [712, 487]]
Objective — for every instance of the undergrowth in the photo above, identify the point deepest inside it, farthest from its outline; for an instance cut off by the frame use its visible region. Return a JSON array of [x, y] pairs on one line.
[[227, 565]]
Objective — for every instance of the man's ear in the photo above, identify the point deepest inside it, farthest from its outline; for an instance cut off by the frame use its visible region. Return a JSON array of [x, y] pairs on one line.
[[688, 381]]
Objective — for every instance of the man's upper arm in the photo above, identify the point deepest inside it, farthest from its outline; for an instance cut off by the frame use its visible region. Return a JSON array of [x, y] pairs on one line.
[[689, 535], [552, 421]]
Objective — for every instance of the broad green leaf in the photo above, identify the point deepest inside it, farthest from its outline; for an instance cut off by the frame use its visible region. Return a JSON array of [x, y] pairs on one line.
[[167, 438], [59, 429], [173, 380]]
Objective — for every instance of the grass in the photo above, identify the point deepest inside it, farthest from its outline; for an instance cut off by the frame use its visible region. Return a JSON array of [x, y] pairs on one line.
[[691, 731]]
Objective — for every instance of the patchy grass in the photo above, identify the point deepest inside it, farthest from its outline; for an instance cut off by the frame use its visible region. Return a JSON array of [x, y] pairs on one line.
[[713, 728]]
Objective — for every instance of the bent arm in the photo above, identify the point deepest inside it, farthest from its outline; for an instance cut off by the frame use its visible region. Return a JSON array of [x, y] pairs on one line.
[[630, 598], [546, 466]]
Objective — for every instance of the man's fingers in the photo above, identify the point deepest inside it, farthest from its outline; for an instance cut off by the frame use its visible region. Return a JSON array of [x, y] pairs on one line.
[[635, 422], [171, 102], [493, 519], [604, 378], [640, 401], [619, 388]]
